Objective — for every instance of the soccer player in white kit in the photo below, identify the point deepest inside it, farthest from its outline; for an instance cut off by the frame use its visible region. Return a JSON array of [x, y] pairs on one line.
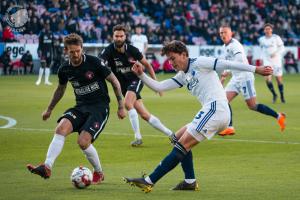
[[241, 81], [139, 40], [200, 78], [272, 49]]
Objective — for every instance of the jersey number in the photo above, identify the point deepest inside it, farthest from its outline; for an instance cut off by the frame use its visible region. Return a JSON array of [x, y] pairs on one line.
[[198, 116]]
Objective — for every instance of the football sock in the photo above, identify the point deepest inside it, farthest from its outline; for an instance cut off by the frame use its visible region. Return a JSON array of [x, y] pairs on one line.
[[47, 74], [134, 120], [230, 123], [280, 87], [54, 149], [92, 156], [266, 110], [41, 71], [155, 122], [188, 166], [271, 88], [168, 163]]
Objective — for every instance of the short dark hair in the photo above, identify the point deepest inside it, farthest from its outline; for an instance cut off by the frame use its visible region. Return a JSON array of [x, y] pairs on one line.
[[268, 24], [73, 39], [174, 46], [225, 26], [120, 27]]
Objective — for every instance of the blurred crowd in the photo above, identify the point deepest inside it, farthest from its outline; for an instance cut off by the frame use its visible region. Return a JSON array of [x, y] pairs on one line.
[[192, 21]]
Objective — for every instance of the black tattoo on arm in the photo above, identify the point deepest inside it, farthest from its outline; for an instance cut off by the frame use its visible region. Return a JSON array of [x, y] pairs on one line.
[[58, 94], [117, 89]]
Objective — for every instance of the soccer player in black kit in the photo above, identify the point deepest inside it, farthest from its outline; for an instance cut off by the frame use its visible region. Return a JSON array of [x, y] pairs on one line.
[[87, 75], [45, 52], [120, 57]]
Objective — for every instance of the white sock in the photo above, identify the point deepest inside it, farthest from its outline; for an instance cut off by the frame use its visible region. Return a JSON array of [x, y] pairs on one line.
[[47, 74], [41, 72], [189, 181], [155, 122], [134, 120], [54, 149], [148, 180], [92, 156]]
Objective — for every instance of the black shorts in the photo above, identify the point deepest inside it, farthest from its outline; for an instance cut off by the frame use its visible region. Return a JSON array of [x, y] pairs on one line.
[[135, 86], [89, 118], [47, 58]]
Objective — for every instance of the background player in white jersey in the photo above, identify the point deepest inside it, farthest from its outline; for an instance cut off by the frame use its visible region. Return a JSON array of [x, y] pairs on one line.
[[242, 82], [200, 78], [139, 40], [272, 49]]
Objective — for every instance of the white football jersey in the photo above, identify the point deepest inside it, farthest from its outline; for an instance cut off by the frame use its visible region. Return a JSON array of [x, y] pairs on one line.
[[271, 46], [234, 51], [202, 82], [139, 41]]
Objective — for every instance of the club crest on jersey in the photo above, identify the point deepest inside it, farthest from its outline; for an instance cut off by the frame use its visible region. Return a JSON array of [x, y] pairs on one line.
[[96, 125], [89, 75], [192, 80]]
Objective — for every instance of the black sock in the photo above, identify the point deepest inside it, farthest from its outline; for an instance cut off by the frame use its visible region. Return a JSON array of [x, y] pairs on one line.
[[266, 110], [271, 88], [188, 166], [168, 163], [280, 87], [230, 123]]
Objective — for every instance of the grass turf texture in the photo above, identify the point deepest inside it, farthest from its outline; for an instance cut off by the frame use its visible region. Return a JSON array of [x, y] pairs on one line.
[[258, 162]]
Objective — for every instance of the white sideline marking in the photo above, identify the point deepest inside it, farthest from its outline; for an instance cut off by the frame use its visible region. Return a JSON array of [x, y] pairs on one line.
[[162, 136], [11, 122]]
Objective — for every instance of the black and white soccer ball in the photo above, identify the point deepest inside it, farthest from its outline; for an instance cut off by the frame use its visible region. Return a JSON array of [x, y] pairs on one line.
[[81, 177]]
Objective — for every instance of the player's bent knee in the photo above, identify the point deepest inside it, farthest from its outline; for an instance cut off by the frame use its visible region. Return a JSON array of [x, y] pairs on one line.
[[83, 143]]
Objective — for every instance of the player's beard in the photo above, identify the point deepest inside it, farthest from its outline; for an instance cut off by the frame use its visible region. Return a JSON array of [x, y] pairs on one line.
[[76, 61], [119, 44]]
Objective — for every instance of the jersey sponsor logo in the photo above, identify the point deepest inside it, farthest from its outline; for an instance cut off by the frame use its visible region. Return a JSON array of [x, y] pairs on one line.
[[118, 63], [124, 70], [89, 75], [87, 89]]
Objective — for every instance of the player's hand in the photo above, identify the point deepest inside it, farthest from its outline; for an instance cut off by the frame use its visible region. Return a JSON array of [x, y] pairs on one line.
[[224, 76], [137, 68], [121, 113], [46, 114], [264, 70]]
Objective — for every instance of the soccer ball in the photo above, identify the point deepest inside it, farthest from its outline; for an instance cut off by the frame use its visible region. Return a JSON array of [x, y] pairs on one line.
[[81, 177]]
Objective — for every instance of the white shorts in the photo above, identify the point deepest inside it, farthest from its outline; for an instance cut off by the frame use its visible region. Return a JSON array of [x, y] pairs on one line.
[[210, 120], [245, 87]]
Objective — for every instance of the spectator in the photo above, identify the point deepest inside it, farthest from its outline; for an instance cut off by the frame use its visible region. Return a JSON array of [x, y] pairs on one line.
[[8, 35], [6, 62], [27, 62], [167, 67], [290, 61]]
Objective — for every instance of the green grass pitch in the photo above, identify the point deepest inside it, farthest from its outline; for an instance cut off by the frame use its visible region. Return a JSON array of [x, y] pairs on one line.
[[259, 162]]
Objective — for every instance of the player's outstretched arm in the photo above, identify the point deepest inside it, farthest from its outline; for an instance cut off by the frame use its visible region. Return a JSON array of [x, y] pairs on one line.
[[149, 70], [117, 90], [157, 86], [58, 94]]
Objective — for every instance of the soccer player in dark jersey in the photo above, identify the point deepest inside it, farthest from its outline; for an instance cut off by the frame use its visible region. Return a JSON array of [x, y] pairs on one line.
[[45, 52], [87, 75], [120, 57]]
